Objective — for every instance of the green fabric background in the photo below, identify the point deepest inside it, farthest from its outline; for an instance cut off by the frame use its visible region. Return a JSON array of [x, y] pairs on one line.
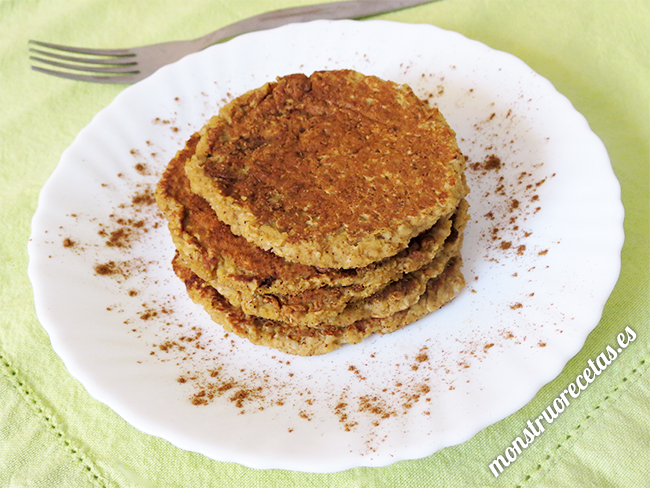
[[53, 434]]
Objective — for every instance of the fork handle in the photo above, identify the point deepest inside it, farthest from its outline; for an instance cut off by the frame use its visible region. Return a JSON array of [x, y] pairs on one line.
[[330, 11]]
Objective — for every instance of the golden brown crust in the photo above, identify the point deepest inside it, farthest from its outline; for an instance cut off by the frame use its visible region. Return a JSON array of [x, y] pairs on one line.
[[336, 305], [313, 212], [337, 170], [233, 262], [306, 341]]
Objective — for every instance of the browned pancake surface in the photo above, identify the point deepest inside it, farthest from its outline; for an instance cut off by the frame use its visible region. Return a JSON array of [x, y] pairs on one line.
[[306, 341], [332, 170], [231, 261]]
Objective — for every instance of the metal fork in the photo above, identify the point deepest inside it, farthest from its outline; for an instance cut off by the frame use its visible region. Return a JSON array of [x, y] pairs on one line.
[[135, 64]]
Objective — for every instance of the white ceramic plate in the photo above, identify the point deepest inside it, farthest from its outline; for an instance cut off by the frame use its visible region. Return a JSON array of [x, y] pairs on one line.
[[541, 256]]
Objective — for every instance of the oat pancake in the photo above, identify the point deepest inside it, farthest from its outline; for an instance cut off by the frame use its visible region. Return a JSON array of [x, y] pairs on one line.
[[335, 170], [336, 306], [306, 341], [233, 262]]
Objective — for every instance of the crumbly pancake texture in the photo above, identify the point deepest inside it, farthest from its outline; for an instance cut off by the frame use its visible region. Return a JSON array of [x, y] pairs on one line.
[[306, 341], [232, 262], [337, 306], [334, 170]]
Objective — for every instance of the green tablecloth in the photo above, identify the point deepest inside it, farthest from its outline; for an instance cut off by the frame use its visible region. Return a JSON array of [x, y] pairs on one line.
[[53, 434]]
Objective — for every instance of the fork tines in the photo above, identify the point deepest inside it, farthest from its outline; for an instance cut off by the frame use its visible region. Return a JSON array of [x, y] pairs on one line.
[[106, 64]]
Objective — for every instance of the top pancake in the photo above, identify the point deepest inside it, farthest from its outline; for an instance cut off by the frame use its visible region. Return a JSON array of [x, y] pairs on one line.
[[231, 261], [335, 170]]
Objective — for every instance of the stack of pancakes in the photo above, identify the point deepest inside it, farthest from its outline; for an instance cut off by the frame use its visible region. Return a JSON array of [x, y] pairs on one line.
[[314, 211]]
